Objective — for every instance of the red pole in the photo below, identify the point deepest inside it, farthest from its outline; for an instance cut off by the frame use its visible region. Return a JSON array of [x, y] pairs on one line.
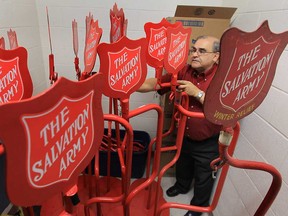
[[155, 168], [254, 165], [2, 150], [53, 76]]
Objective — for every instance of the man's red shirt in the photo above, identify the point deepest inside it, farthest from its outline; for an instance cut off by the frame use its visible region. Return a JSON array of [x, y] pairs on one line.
[[196, 128]]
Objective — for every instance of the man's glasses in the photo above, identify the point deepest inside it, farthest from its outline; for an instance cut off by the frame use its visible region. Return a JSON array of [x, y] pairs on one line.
[[200, 51]]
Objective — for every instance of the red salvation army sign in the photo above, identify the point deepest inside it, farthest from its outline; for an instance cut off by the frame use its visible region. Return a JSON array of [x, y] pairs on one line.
[[66, 134], [177, 49], [245, 74], [117, 19], [15, 80], [57, 135], [124, 66], [11, 86], [116, 28], [92, 42], [156, 34]]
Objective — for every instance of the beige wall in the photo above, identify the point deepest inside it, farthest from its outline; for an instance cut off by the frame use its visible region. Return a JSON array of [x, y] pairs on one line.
[[21, 16]]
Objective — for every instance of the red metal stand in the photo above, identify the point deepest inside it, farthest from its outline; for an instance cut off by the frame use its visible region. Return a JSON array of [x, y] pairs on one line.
[[142, 190], [227, 144], [254, 165], [108, 189], [133, 199], [2, 150], [221, 180]]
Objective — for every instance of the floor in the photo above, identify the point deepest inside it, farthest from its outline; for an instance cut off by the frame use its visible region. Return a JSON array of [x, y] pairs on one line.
[[168, 180], [181, 198]]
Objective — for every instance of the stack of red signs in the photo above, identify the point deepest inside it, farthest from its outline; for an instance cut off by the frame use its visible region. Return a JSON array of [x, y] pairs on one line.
[[92, 39], [168, 46]]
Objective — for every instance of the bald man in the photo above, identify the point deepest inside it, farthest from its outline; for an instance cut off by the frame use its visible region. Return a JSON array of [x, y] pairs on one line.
[[200, 143]]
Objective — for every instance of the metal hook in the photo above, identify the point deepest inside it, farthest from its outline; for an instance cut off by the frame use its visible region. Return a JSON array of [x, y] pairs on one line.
[[217, 164]]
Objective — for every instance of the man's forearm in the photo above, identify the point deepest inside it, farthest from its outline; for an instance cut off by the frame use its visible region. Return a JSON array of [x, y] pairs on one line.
[[150, 84]]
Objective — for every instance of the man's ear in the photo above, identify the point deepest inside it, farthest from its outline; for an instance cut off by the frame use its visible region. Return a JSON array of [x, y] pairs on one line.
[[216, 57]]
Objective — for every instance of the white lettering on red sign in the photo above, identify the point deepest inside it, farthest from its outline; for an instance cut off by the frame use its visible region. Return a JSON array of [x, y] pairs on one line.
[[10, 81], [58, 140], [177, 53], [76, 129], [248, 79], [126, 70], [158, 43]]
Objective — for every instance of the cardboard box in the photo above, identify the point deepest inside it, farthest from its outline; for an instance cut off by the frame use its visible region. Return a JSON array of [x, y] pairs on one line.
[[211, 21]]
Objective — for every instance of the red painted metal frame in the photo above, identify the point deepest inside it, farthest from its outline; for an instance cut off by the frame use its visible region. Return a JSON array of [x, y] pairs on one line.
[[242, 42], [1, 149], [126, 198], [221, 180], [125, 168], [158, 142], [254, 165], [225, 159], [150, 178]]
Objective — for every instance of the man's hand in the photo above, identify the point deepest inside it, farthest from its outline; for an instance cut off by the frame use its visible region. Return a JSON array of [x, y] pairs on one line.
[[189, 88]]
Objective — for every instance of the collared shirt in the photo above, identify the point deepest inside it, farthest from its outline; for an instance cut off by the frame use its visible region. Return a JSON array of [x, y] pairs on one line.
[[197, 128]]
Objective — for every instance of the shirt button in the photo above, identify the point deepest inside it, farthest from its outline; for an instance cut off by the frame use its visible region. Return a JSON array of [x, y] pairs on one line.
[[188, 117], [187, 128], [191, 106]]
